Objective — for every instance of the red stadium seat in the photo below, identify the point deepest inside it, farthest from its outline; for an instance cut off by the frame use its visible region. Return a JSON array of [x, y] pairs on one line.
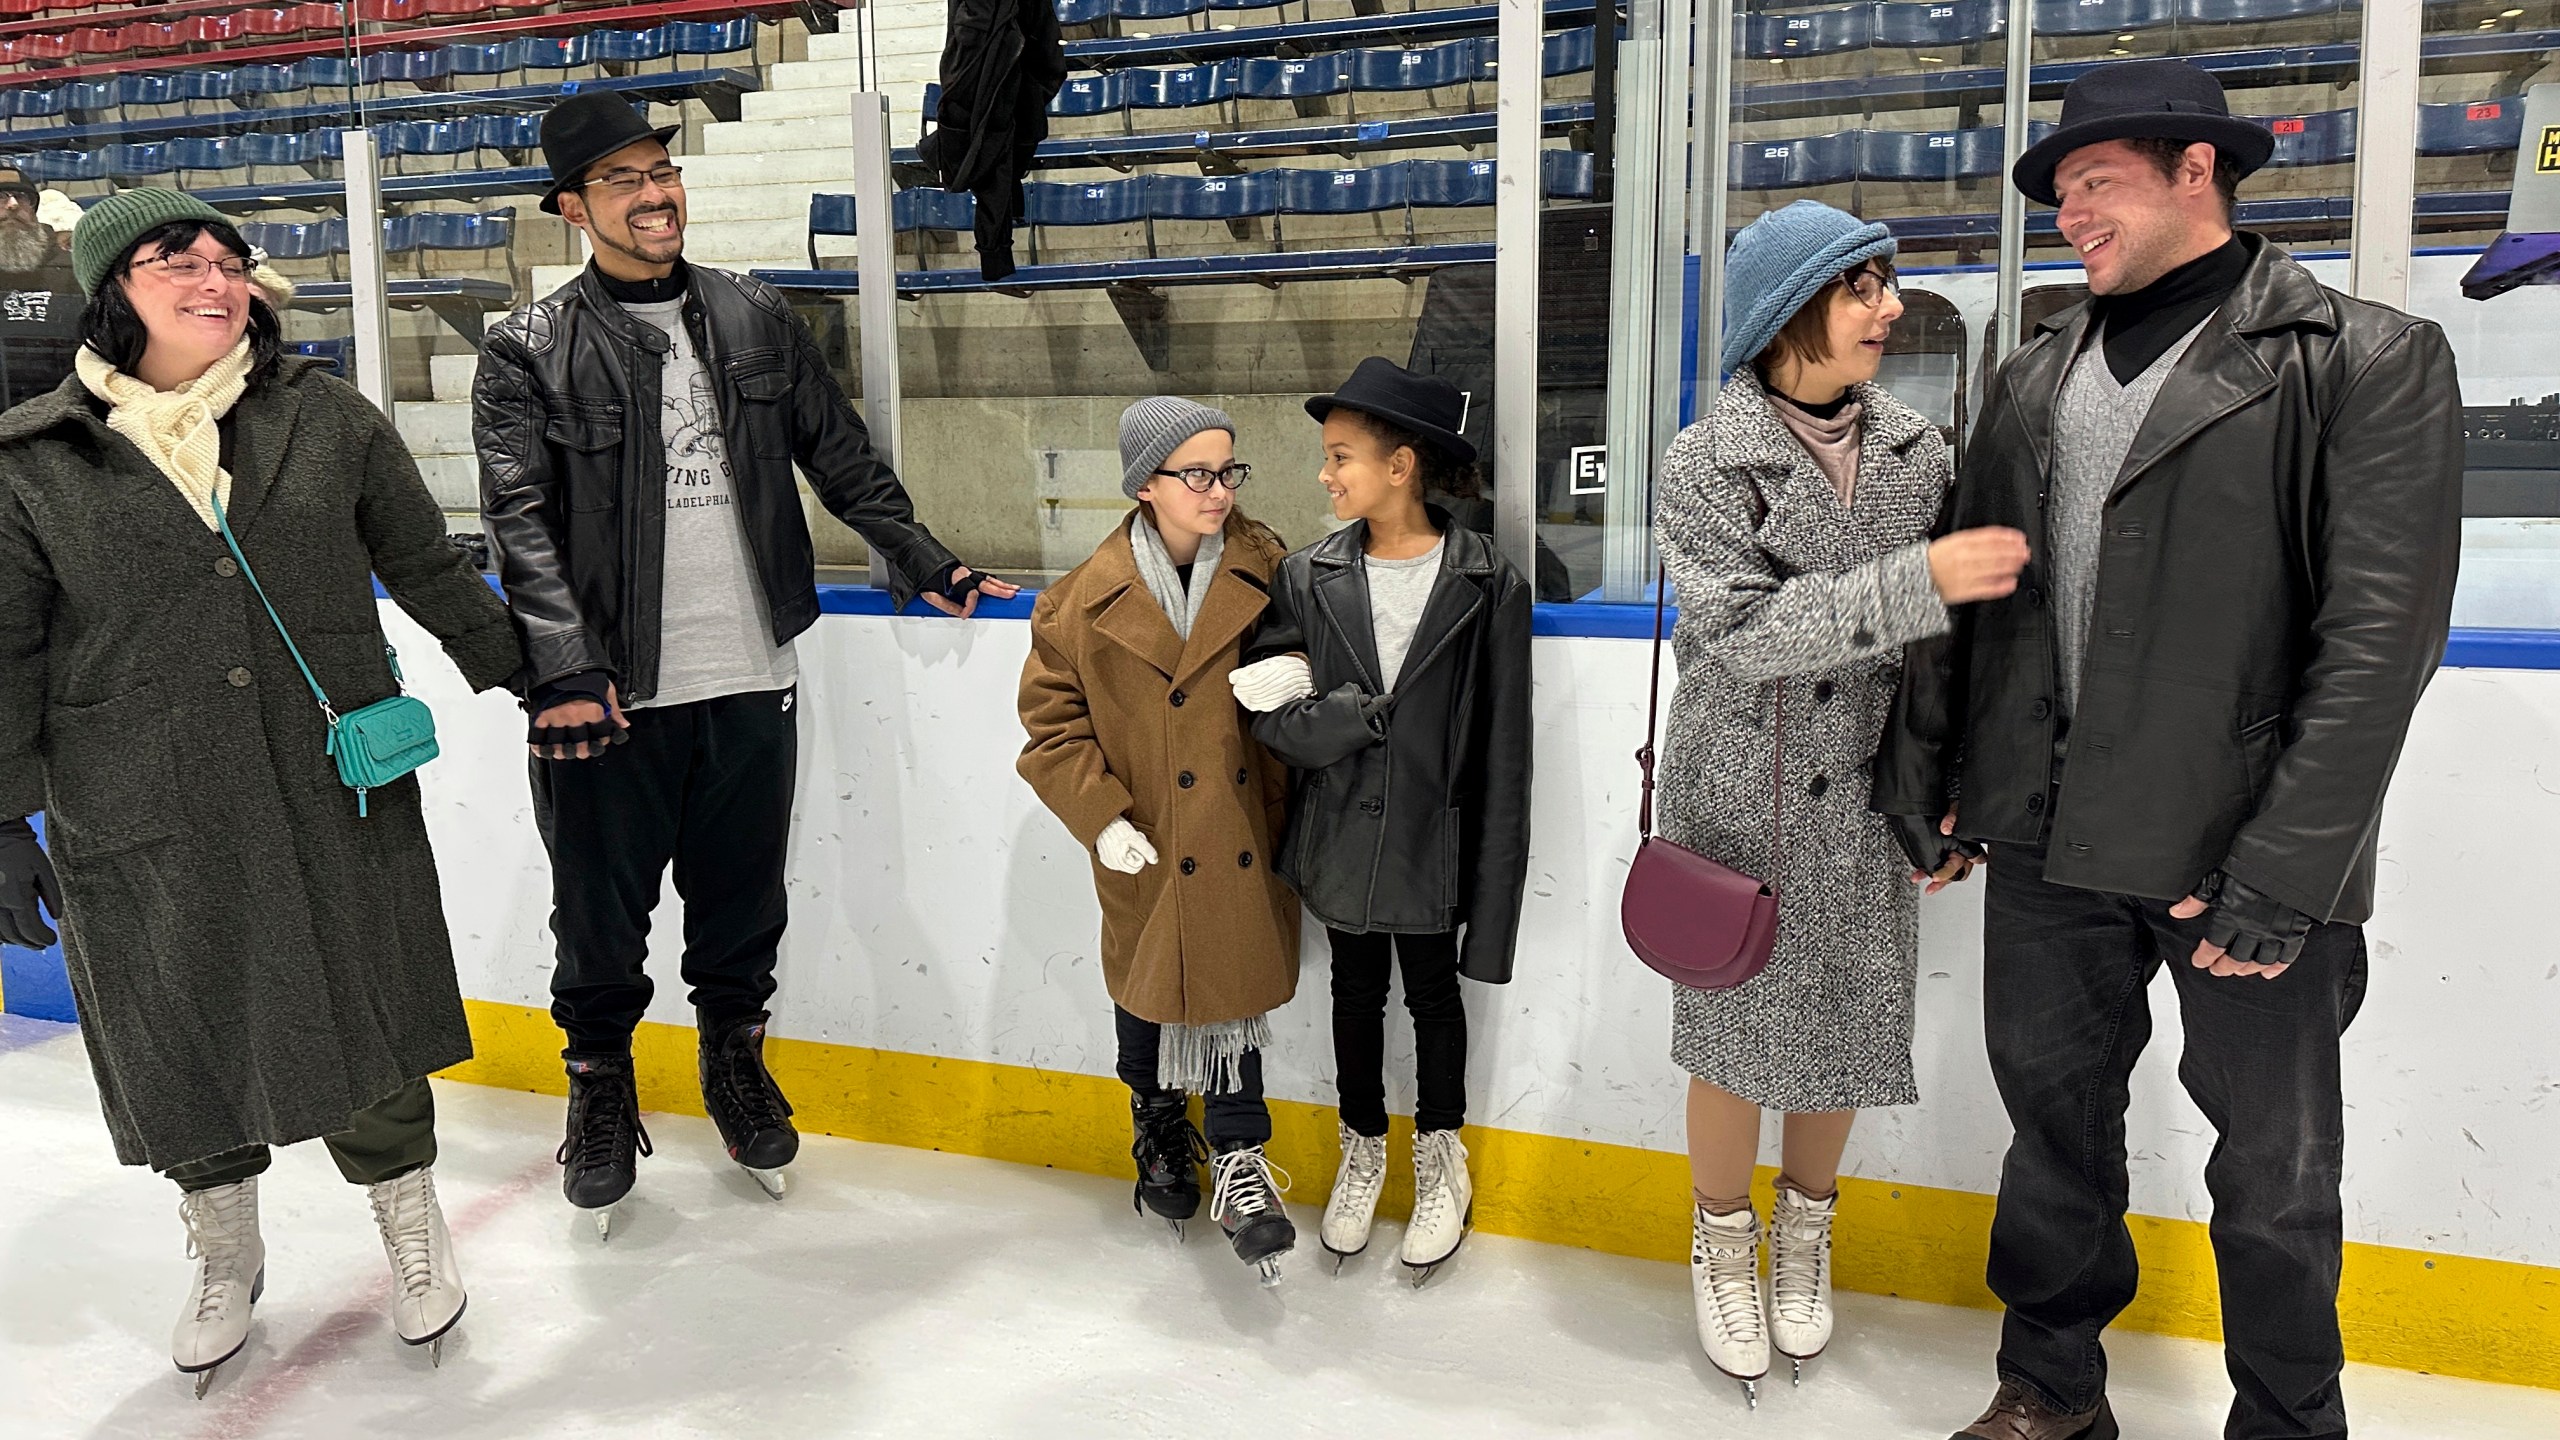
[[92, 42], [456, 9], [392, 12]]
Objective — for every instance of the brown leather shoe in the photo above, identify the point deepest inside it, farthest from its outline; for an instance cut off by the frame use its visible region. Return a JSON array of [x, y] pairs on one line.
[[2016, 1414]]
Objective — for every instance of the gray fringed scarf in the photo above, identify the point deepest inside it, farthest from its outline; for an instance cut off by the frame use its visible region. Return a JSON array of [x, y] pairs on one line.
[[1203, 1059]]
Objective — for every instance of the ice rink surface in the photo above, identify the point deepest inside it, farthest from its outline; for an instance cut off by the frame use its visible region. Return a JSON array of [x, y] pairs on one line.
[[905, 1293]]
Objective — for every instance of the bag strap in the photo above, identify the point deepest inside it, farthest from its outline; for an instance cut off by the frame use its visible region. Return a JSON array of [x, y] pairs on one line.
[[223, 523], [1653, 718]]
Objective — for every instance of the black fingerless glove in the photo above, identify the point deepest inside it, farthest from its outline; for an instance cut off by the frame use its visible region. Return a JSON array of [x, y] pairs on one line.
[[592, 686], [956, 587], [1926, 849], [2250, 925], [27, 888]]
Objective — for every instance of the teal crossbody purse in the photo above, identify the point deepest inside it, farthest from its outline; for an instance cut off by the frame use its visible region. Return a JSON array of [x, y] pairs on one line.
[[375, 745]]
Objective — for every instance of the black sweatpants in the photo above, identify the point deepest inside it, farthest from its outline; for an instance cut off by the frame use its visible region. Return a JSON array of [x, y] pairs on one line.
[[706, 787], [1236, 1117], [1362, 965], [2066, 1009]]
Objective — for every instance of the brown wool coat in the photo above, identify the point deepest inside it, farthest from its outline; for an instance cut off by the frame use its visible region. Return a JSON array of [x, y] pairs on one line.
[[1122, 713]]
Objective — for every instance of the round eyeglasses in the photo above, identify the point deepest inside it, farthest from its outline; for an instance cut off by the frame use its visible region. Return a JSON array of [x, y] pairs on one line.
[[1871, 285], [1199, 479]]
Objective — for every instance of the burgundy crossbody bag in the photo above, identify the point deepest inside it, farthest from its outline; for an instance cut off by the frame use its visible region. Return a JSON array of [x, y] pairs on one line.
[[1700, 922]]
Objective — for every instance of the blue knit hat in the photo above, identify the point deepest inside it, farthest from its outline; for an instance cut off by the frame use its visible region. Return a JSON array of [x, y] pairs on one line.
[[1776, 264]]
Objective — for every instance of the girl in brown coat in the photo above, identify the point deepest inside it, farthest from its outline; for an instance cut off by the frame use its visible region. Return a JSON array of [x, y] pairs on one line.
[[1139, 747]]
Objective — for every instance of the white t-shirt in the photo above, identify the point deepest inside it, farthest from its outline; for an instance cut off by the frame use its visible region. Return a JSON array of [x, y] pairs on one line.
[[1398, 591]]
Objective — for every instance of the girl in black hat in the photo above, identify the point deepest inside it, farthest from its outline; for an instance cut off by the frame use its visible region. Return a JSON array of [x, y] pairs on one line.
[[1392, 673]]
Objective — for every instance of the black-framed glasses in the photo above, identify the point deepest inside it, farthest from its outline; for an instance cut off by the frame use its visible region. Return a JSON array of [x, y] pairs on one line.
[[187, 269], [1198, 479], [628, 182], [1871, 285]]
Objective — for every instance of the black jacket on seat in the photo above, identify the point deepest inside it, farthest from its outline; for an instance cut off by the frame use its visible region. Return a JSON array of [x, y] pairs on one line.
[[1408, 811], [1002, 63]]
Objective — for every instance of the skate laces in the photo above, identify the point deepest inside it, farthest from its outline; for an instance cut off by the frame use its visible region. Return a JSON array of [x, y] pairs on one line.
[[402, 1210], [1245, 1187], [1167, 1136], [1434, 1153], [214, 1219], [1732, 1273], [1364, 1161], [753, 1099], [1799, 1243], [601, 1125]]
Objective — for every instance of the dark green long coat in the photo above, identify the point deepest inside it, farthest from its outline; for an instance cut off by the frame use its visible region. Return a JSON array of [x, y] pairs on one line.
[[252, 962]]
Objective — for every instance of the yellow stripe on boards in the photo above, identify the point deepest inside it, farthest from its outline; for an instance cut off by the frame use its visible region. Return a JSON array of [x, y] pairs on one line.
[[2445, 1314]]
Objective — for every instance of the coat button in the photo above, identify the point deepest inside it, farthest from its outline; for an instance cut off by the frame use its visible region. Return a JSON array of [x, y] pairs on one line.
[[1862, 637], [2035, 804], [1183, 780], [1372, 806], [239, 678], [1821, 784], [1189, 864], [2040, 709], [1245, 860], [226, 567], [1243, 776], [1178, 698], [1823, 691], [2035, 595]]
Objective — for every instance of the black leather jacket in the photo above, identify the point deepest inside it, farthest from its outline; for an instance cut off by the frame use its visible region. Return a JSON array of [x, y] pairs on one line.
[[564, 412], [2275, 584], [1407, 812]]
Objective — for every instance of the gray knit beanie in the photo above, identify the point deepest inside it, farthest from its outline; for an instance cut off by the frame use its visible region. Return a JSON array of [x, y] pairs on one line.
[[1154, 428]]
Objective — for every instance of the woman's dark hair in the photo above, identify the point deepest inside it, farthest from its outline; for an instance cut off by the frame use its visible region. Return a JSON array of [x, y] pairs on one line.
[[1441, 472], [1806, 337], [114, 329]]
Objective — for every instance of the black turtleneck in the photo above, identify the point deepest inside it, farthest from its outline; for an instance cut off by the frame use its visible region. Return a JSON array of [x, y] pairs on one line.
[[646, 292], [2140, 327]]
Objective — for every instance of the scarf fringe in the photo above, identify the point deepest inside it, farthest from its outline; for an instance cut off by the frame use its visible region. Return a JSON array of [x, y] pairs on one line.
[[1209, 1059]]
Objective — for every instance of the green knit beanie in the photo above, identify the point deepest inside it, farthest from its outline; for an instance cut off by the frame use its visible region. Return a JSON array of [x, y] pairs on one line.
[[113, 225]]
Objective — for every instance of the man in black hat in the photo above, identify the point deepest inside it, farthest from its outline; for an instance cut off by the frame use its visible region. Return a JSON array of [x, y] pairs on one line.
[[2244, 493], [637, 432]]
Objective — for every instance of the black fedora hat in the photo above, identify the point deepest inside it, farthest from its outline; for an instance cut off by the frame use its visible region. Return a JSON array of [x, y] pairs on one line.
[[1425, 404], [585, 128], [2142, 100]]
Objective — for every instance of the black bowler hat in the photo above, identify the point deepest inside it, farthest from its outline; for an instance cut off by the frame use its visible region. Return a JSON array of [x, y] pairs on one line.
[[585, 128], [1426, 404], [2142, 100]]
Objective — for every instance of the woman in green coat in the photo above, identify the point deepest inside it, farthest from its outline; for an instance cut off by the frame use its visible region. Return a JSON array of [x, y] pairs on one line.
[[258, 959]]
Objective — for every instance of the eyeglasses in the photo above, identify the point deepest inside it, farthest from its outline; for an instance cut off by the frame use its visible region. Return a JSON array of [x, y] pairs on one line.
[[1871, 285], [1198, 480], [187, 269], [628, 182]]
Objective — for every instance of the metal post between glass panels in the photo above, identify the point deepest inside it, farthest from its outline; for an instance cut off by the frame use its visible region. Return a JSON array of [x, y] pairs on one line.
[[2013, 206], [1520, 41], [2386, 169], [367, 296], [1674, 163], [876, 272], [1626, 558], [1710, 171]]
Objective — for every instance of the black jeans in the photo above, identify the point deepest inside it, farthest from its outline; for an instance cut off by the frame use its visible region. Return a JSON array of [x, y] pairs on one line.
[[705, 786], [383, 1141], [1361, 966], [1230, 1119], [2066, 1012]]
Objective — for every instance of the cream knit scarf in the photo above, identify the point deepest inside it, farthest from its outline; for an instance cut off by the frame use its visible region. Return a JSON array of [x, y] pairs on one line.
[[178, 430]]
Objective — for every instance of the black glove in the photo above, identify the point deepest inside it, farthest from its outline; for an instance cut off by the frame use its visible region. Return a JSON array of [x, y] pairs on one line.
[[956, 587], [2250, 925], [592, 686], [26, 882], [1925, 847]]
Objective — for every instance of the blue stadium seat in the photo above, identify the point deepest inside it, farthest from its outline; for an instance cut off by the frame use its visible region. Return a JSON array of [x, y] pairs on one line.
[[510, 131], [458, 230], [1102, 94], [2327, 137], [1920, 24], [1155, 9], [337, 352], [1569, 52], [151, 87], [206, 84], [1363, 190], [2246, 12], [326, 72], [630, 47], [1289, 79], [2474, 127], [272, 79], [925, 209], [204, 152], [427, 137], [1449, 183], [501, 58], [714, 37], [2101, 17], [1785, 34], [1455, 63], [297, 240], [1098, 202], [1082, 12], [1795, 164], [1571, 174], [261, 147], [833, 214], [1926, 155], [1213, 197], [1234, 5], [1181, 86], [399, 233], [33, 102], [138, 162], [574, 52], [53, 165], [409, 65], [87, 97]]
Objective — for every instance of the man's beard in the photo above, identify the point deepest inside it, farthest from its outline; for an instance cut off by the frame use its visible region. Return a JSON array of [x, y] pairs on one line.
[[630, 242], [25, 246]]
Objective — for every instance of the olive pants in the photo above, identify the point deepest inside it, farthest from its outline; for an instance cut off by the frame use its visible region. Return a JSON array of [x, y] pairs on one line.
[[383, 1141]]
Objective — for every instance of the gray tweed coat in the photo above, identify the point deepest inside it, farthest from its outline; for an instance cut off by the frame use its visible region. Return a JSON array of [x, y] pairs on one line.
[[1777, 581], [251, 961]]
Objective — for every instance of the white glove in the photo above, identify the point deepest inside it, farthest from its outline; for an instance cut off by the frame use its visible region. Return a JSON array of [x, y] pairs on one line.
[[1269, 684], [1123, 849]]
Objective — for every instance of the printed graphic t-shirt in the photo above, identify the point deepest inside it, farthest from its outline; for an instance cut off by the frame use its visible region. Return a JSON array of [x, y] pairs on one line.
[[715, 633]]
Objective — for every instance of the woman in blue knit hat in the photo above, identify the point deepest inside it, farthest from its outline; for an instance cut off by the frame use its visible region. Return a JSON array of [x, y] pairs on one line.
[[1794, 520]]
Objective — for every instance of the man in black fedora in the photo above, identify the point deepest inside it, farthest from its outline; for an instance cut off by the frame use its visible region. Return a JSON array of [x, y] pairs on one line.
[[637, 432], [2243, 494]]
